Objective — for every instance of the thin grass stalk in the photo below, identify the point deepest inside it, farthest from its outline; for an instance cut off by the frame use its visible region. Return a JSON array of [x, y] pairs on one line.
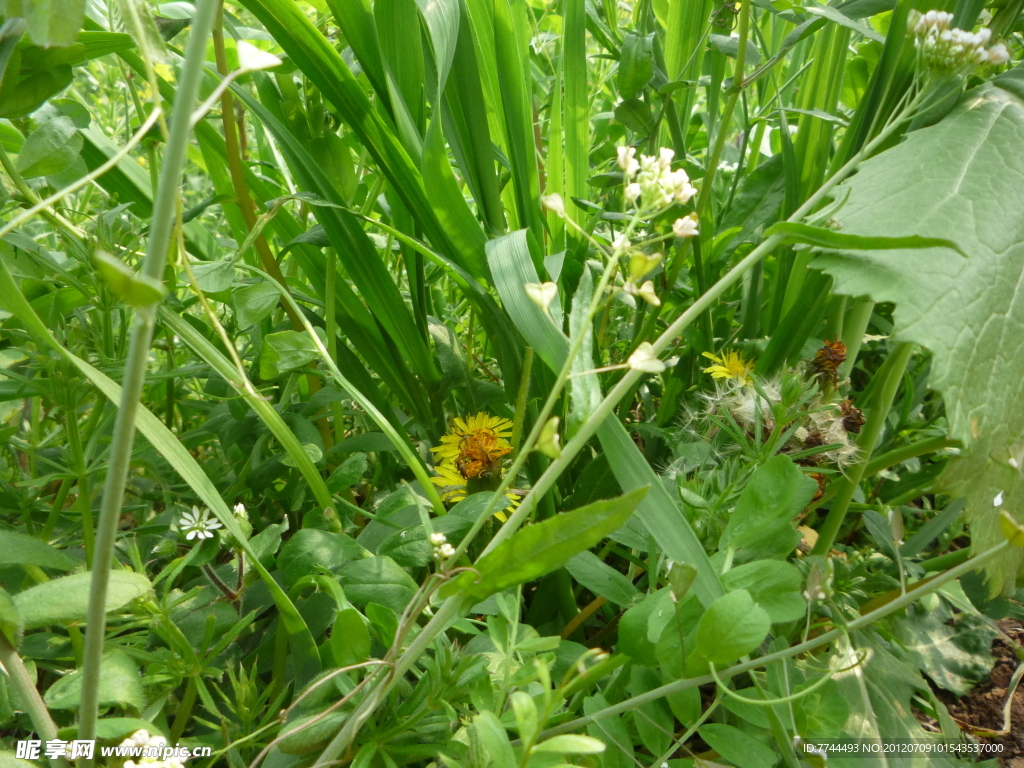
[[163, 220]]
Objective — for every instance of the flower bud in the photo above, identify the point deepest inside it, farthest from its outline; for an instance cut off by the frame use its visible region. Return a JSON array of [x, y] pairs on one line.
[[541, 294], [549, 442], [641, 263], [644, 359], [648, 294], [686, 226], [554, 203]]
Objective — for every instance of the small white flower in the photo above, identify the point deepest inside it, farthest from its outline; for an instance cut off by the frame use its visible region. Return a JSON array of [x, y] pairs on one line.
[[998, 500], [620, 244], [665, 156], [198, 525], [626, 159], [437, 539], [541, 294], [239, 509], [632, 192], [445, 551], [644, 359], [554, 203], [686, 226], [998, 54], [648, 294]]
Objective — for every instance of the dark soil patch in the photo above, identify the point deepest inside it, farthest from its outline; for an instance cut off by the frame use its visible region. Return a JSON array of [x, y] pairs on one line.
[[980, 712]]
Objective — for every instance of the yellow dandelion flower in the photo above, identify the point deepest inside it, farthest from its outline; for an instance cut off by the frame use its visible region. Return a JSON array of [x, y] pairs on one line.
[[730, 365], [471, 455], [477, 443]]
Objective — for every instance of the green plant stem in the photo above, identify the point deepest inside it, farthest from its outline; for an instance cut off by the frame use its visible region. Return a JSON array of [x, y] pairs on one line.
[[867, 619], [855, 324], [947, 560], [897, 455], [892, 373], [21, 681], [163, 219], [522, 396]]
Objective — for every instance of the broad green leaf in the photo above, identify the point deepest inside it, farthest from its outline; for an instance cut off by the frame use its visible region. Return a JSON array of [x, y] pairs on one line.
[[601, 579], [954, 651], [494, 740], [310, 549], [347, 473], [21, 549], [761, 524], [50, 22], [775, 585], [213, 276], [66, 599], [133, 288], [412, 548], [730, 46], [50, 149], [653, 719], [29, 94], [956, 180], [383, 622], [284, 351], [739, 748], [378, 580], [635, 627], [636, 64], [732, 626], [612, 731], [571, 744], [350, 639], [539, 549], [120, 685], [254, 302]]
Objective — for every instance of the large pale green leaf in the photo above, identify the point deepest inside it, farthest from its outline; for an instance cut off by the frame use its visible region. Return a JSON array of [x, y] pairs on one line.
[[962, 179]]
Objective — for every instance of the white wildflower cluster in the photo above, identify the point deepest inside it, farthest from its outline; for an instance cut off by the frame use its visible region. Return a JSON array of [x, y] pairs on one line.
[[153, 757], [949, 50], [442, 549], [652, 180]]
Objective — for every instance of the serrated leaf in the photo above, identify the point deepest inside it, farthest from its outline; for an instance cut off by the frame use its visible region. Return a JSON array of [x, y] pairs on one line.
[[133, 288], [956, 180]]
